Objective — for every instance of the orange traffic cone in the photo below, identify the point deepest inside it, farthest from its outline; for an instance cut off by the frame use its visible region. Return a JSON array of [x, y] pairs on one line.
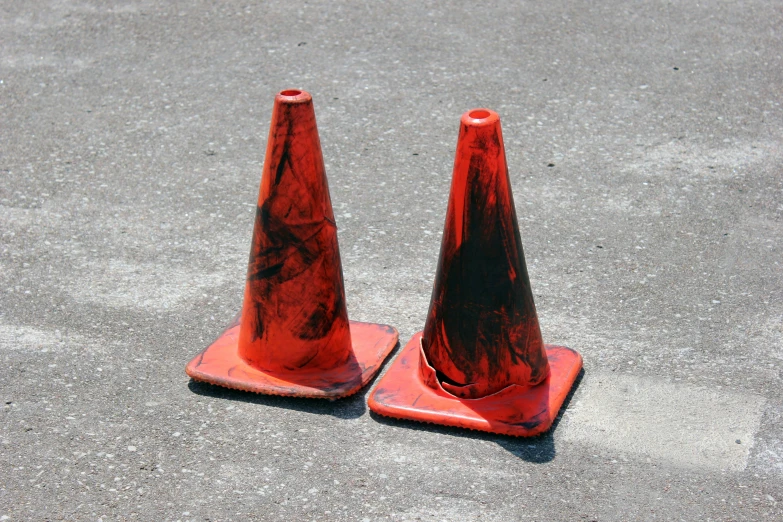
[[293, 336], [480, 362]]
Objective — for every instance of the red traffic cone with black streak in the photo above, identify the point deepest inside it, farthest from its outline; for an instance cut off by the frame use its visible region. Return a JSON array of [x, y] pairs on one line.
[[293, 336], [480, 362]]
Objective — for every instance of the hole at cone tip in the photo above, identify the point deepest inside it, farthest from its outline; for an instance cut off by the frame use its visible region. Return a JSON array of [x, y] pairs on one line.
[[291, 92], [479, 114]]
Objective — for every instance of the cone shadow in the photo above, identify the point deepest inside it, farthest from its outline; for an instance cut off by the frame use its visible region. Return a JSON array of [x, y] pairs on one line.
[[540, 449], [347, 408]]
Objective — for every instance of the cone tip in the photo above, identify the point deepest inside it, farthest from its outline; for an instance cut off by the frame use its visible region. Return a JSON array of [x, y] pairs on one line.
[[480, 117], [293, 96]]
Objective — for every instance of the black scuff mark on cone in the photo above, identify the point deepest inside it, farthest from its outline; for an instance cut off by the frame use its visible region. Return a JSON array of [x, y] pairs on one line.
[[201, 358], [284, 160], [258, 332], [318, 324], [265, 273]]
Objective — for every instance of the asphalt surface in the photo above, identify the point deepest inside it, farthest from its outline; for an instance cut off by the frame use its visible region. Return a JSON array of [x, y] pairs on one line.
[[644, 148]]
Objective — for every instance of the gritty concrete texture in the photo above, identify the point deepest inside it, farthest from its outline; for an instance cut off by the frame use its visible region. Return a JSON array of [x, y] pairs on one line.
[[684, 425], [644, 144]]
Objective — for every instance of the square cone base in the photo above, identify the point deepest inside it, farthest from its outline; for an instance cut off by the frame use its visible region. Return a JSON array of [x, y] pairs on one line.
[[523, 412], [221, 364]]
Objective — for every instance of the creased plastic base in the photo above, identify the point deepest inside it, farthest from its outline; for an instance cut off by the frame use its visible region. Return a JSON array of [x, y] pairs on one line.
[[402, 393]]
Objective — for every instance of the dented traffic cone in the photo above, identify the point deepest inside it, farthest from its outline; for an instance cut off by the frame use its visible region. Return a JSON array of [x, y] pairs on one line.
[[293, 336], [480, 362]]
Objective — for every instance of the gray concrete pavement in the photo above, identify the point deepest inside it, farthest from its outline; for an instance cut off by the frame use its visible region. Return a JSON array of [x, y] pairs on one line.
[[644, 144]]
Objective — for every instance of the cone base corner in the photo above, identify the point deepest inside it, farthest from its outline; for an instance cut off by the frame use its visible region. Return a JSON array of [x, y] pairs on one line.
[[221, 365], [515, 411]]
